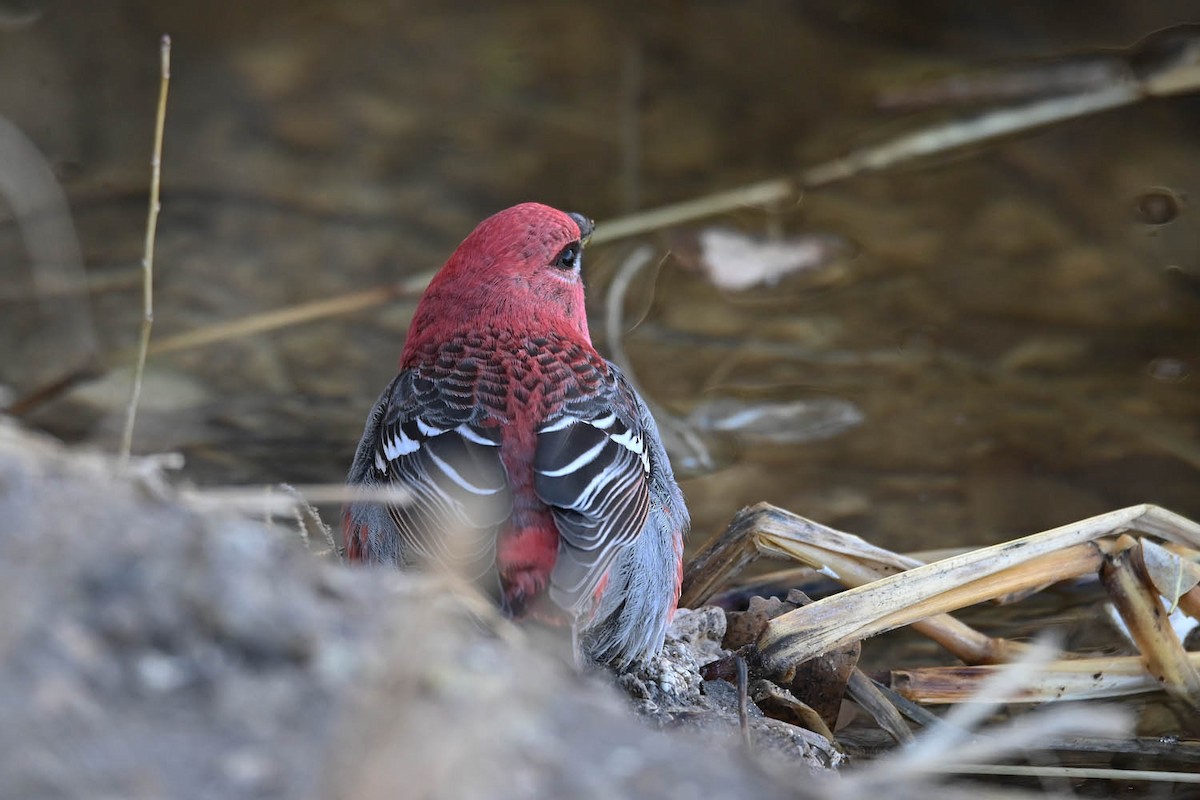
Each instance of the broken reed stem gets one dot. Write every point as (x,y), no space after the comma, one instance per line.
(764,193)
(1071,679)
(139,368)
(958,134)
(1139,604)
(888,603)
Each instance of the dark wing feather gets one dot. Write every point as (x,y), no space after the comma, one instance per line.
(424,437)
(592,468)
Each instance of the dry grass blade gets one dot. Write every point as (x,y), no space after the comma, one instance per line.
(310,524)
(139,368)
(871,609)
(873,700)
(782,704)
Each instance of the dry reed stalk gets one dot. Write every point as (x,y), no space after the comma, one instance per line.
(139,368)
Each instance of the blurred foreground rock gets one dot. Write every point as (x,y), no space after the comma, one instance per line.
(147,650)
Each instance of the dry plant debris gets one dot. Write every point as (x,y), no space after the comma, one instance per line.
(734,261)
(1146,557)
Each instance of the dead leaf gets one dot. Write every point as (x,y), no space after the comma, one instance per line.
(1171,574)
(735,261)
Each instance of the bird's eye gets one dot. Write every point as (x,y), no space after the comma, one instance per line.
(568,257)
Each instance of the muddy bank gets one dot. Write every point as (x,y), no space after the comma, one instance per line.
(148,650)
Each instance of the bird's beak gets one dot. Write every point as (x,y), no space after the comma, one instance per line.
(586,227)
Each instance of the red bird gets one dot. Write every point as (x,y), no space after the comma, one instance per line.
(531,461)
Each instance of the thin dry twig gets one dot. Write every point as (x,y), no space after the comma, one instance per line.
(292,315)
(139,368)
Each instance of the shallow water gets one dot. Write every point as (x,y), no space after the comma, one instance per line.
(1006,322)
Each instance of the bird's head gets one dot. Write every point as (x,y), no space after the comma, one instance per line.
(519,267)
